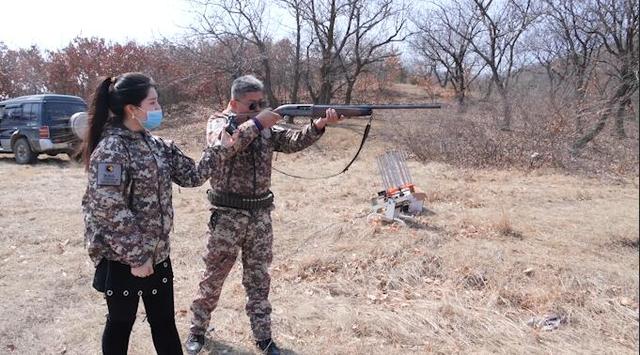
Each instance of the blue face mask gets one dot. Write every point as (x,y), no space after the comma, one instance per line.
(154,119)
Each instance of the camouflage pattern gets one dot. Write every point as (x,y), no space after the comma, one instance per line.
(243,167)
(235,171)
(127,204)
(232,230)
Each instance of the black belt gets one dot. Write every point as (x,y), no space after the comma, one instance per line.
(243,202)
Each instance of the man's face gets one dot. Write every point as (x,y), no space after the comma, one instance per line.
(249,102)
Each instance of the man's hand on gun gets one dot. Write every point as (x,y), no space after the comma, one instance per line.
(330,117)
(268,118)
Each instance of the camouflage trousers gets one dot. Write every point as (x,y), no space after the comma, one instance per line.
(229,232)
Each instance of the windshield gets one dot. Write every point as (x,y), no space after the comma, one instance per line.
(55,111)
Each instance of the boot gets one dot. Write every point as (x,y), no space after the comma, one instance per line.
(268,347)
(194,343)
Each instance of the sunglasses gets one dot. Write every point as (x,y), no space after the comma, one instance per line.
(254,105)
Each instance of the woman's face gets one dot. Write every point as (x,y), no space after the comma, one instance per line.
(150,103)
(138,114)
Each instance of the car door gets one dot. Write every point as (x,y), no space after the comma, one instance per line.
(56,115)
(1,128)
(9,123)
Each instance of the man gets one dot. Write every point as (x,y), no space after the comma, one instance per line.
(242,204)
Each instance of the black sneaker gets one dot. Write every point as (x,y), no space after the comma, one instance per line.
(194,343)
(268,347)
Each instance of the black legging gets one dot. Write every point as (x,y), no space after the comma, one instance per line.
(122,302)
(122,314)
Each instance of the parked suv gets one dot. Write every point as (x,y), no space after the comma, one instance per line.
(35,124)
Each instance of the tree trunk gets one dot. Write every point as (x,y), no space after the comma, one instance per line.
(324,94)
(487,95)
(580,114)
(461,103)
(505,125)
(622,104)
(349,92)
(616,99)
(296,67)
(271,97)
(580,143)
(580,98)
(629,81)
(460,94)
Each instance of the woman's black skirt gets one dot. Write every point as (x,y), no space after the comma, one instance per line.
(114,278)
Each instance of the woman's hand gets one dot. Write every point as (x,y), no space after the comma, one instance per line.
(143,270)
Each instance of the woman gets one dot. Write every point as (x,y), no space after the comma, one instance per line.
(127,208)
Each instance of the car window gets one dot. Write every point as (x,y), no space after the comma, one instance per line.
(60,110)
(1,112)
(14,113)
(36,110)
(28,113)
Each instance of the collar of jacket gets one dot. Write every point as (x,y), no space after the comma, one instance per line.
(122,131)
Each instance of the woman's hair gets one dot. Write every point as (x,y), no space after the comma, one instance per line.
(108,102)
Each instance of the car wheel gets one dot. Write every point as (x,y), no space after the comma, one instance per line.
(23,152)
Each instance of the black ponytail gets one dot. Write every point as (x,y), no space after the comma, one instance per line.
(108,102)
(98,116)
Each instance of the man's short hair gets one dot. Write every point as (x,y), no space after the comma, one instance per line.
(245,84)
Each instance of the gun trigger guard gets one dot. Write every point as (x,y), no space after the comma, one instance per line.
(232,125)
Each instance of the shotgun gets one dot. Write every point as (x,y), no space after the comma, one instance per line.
(289,111)
(306,110)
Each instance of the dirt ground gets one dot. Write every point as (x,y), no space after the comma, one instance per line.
(494,254)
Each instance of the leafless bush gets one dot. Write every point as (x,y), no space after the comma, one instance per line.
(540,138)
(471,143)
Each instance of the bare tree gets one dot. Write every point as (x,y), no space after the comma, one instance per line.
(615,22)
(346,37)
(497,40)
(332,24)
(548,50)
(376,26)
(234,22)
(448,53)
(295,6)
(567,50)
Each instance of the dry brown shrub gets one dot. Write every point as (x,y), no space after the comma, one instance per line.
(504,227)
(625,242)
(539,138)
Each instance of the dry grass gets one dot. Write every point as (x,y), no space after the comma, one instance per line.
(495,249)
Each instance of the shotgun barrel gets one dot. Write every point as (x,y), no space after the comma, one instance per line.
(307,110)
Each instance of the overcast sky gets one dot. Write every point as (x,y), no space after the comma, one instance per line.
(53,24)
